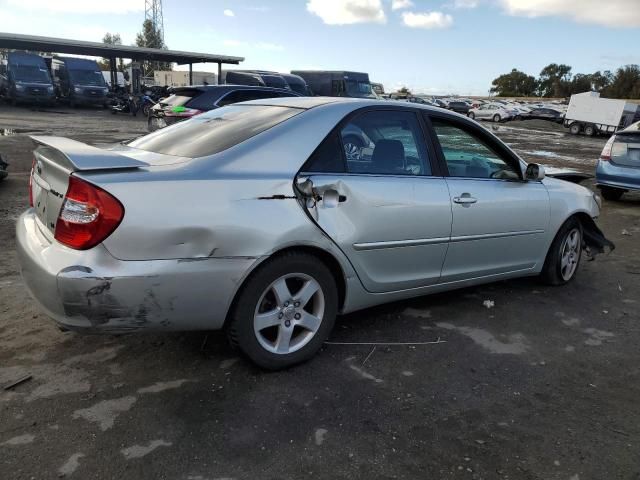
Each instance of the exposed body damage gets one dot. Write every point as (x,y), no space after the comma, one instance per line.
(195,230)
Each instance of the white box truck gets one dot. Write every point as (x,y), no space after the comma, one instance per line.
(180,78)
(589,114)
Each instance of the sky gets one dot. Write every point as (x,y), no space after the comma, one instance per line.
(429,46)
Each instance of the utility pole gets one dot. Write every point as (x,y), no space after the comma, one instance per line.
(153,12)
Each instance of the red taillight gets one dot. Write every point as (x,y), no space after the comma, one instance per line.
(88,215)
(606,151)
(33,166)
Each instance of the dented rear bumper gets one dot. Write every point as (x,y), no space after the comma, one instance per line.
(95,292)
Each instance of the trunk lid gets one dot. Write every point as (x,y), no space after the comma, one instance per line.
(55,159)
(626,149)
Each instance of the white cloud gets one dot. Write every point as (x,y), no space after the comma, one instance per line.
(611,13)
(345,12)
(401,4)
(465,3)
(427,20)
(80,6)
(229,13)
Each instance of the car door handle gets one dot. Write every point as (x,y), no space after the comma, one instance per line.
(465,199)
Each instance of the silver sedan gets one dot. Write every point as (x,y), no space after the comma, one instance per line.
(253,218)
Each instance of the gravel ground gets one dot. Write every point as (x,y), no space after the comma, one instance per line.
(544,385)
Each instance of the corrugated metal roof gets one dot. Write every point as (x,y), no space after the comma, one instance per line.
(96,49)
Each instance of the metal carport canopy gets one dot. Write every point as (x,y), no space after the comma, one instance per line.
(96,49)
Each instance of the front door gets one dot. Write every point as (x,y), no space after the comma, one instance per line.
(382,206)
(499,220)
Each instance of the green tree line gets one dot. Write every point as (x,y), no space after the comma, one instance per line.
(557,80)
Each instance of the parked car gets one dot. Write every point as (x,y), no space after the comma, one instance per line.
(459,107)
(24,77)
(187,102)
(249,218)
(618,169)
(337,83)
(3,169)
(491,111)
(544,114)
(79,81)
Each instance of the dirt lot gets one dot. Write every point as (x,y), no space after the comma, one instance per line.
(545,385)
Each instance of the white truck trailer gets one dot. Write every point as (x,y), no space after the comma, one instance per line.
(589,114)
(180,78)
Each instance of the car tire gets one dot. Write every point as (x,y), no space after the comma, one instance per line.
(563,257)
(575,128)
(291,332)
(589,130)
(471,115)
(497,118)
(611,194)
(518,117)
(352,147)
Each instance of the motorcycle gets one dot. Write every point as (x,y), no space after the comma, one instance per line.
(125,104)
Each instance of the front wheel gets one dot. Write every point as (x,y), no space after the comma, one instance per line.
(563,258)
(471,115)
(285,311)
(589,130)
(496,118)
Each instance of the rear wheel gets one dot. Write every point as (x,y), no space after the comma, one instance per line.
(563,258)
(575,128)
(497,118)
(589,130)
(471,115)
(611,194)
(285,311)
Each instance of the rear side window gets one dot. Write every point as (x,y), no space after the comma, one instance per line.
(327,158)
(214,131)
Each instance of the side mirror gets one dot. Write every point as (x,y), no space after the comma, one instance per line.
(534,172)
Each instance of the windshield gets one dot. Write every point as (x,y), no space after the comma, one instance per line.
(87,77)
(359,89)
(30,73)
(214,131)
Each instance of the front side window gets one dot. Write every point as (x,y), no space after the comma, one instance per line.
(385,142)
(467,155)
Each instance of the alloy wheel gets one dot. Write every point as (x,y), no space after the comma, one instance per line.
(570,254)
(289,313)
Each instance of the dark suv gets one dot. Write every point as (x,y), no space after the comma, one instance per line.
(186,102)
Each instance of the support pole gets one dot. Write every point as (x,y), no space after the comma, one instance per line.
(219,73)
(114,74)
(191,74)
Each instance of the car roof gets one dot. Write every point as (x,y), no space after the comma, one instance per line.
(306,103)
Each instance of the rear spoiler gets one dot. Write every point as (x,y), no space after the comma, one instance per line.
(78,156)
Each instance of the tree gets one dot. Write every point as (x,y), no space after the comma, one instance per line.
(111,39)
(150,37)
(554,80)
(404,91)
(514,84)
(625,83)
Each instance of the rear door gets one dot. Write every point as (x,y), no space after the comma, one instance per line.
(386,207)
(499,221)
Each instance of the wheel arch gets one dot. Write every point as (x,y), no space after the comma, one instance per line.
(592,236)
(327,258)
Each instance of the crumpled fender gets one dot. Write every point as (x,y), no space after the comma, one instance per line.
(594,240)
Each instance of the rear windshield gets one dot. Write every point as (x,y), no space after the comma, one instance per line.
(178,100)
(214,131)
